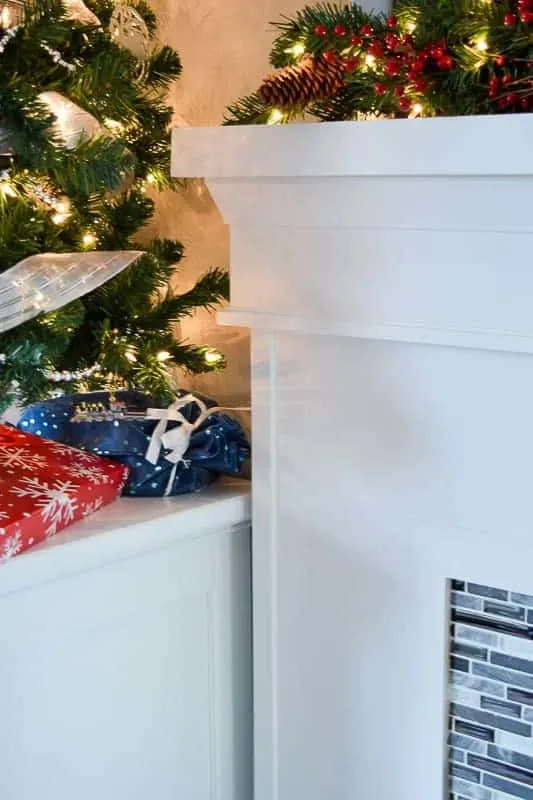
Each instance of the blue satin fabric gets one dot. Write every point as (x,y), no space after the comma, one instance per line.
(217,447)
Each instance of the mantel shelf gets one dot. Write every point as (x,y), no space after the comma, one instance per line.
(441,146)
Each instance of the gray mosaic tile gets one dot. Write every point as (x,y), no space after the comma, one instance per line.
(528,714)
(504,675)
(501,707)
(469,650)
(511,662)
(478,684)
(487,591)
(456,755)
(490,720)
(461,600)
(473,634)
(511,756)
(512,788)
(458,771)
(519,696)
(458,740)
(522,599)
(503,769)
(470,790)
(504,610)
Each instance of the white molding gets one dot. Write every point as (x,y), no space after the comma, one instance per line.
(441,146)
(504,341)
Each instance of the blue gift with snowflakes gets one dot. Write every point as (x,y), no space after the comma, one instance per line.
(169,450)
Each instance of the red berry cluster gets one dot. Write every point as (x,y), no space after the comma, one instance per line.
(406,70)
(522,10)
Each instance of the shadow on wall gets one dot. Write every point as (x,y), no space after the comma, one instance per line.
(224,49)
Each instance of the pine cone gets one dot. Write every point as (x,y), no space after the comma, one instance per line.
(298,85)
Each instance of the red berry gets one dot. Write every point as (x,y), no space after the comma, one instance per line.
(356,40)
(507,79)
(509,20)
(392,41)
(392,68)
(420,85)
(524,103)
(445,62)
(500,60)
(376,49)
(494,84)
(404,104)
(408,39)
(366,30)
(399,91)
(526,17)
(380,88)
(351,64)
(417,64)
(339,30)
(512,99)
(320,30)
(330,57)
(392,21)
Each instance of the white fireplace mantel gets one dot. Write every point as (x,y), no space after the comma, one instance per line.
(384,268)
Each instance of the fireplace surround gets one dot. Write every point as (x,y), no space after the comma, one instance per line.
(384,270)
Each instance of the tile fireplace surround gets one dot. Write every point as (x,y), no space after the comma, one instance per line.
(385,271)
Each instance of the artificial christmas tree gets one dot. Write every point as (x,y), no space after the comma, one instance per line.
(450,57)
(83,140)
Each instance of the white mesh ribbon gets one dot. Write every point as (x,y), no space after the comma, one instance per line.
(48,281)
(76,9)
(72,122)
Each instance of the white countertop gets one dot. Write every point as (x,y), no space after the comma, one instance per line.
(128,527)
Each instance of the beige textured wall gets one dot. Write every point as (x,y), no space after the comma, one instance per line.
(224,47)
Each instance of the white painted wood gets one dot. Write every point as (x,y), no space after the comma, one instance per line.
(384,269)
(126,655)
(442,146)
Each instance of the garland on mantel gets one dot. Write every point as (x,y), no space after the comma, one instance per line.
(450,57)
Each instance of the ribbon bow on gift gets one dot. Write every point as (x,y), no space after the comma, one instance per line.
(178,439)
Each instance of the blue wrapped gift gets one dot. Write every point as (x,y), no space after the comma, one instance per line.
(169,451)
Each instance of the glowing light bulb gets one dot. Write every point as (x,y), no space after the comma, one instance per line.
(212,357)
(417,109)
(130,355)
(5,17)
(410,27)
(370,60)
(59,219)
(113,125)
(150,178)
(163,355)
(89,239)
(62,206)
(298,49)
(7,190)
(276,117)
(481,44)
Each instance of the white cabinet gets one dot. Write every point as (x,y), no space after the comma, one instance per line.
(385,270)
(125,668)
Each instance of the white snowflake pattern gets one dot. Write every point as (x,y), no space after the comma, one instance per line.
(4,515)
(21,457)
(12,546)
(94,474)
(55,502)
(92,506)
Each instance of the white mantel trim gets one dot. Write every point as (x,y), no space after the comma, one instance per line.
(503,341)
(449,146)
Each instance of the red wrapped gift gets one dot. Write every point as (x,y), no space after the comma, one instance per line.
(45,486)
